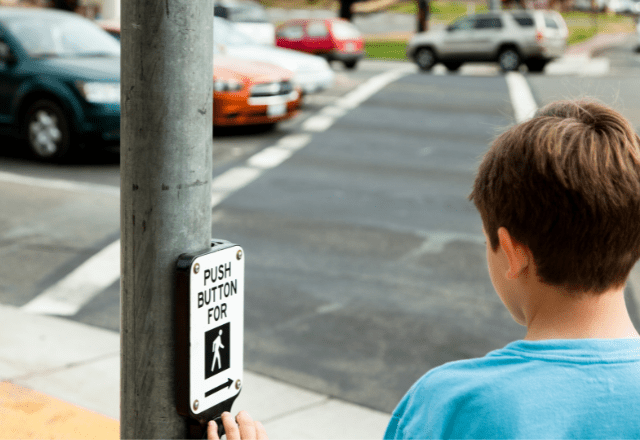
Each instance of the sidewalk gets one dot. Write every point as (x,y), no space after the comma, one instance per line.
(60,379)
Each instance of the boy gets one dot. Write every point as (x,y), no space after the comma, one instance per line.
(559,198)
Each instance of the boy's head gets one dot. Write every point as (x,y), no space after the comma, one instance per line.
(566,184)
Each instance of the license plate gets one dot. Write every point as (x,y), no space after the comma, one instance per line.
(350,47)
(275,110)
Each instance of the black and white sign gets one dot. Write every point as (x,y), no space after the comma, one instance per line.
(216,317)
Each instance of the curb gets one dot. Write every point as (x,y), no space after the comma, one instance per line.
(61,379)
(597,43)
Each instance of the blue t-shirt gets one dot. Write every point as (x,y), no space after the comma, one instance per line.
(562,388)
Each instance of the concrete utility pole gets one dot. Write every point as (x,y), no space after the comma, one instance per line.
(166,163)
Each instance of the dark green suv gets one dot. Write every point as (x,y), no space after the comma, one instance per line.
(59,81)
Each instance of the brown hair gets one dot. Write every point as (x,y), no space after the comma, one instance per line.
(567,185)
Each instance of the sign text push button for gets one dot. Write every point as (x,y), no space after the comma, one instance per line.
(209,330)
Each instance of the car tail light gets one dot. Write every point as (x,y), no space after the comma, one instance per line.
(539,36)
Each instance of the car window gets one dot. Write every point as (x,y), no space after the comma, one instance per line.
(317,29)
(343,30)
(488,23)
(62,36)
(550,23)
(225,32)
(294,32)
(463,24)
(248,13)
(524,20)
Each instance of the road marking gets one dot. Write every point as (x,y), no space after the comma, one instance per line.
(68,295)
(524,106)
(59,184)
(356,97)
(294,141)
(435,242)
(318,123)
(235,178)
(270,157)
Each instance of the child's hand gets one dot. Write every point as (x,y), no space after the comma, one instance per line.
(241,428)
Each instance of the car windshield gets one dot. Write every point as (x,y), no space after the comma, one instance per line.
(62,36)
(226,33)
(248,14)
(345,31)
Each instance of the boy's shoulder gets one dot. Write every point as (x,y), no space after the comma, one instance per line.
(497,394)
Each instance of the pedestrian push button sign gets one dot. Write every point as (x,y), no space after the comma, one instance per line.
(216,327)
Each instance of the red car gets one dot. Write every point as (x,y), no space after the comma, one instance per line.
(333,38)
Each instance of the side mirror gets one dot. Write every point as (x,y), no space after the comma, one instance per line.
(450,28)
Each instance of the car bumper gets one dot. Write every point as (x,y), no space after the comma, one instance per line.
(102,121)
(314,81)
(548,50)
(258,110)
(344,56)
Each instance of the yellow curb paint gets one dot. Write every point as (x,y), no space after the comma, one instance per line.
(27,414)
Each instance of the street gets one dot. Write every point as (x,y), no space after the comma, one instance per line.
(365,262)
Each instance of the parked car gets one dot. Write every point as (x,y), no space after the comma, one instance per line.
(311,73)
(111,26)
(245,92)
(251,93)
(250,17)
(509,38)
(335,39)
(59,80)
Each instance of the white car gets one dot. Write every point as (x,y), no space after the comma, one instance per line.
(311,73)
(250,17)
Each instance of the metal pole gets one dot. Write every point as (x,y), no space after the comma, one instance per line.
(166,163)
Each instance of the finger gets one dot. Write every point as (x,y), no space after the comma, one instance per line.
(261,433)
(230,427)
(246,425)
(212,431)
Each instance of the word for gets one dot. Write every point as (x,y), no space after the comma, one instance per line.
(224,290)
(217,312)
(217,273)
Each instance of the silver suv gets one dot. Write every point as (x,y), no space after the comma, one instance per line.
(510,38)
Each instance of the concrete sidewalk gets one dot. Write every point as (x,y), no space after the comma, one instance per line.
(60,379)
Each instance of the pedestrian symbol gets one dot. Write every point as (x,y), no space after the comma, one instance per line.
(217,350)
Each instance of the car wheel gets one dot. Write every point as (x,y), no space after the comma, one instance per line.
(425,58)
(452,66)
(509,59)
(536,65)
(351,64)
(47,130)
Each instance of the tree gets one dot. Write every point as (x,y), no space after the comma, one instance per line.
(423,15)
(345,9)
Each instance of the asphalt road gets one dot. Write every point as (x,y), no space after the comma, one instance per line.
(365,260)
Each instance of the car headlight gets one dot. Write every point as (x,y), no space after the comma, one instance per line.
(100,92)
(227,85)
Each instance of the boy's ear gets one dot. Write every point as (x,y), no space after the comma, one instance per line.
(518,255)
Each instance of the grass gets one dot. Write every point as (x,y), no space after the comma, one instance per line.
(385,49)
(445,11)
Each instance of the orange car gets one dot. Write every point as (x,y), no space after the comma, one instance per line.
(246,92)
(251,92)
